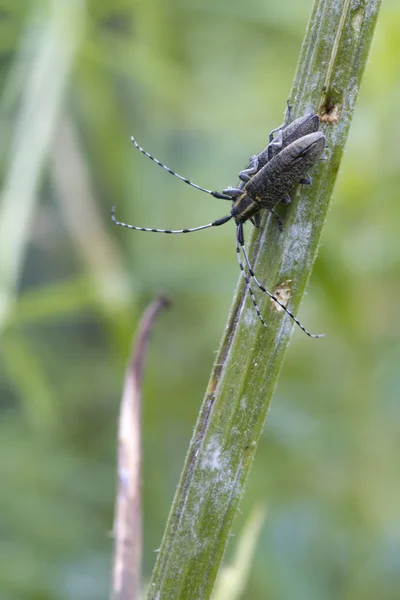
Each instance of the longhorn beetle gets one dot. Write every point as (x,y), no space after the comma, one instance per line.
(287,133)
(268,180)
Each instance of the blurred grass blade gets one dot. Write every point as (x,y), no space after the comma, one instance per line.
(128,516)
(54,300)
(47,59)
(92,241)
(30,380)
(246,370)
(232,579)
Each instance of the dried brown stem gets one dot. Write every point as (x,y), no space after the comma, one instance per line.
(128,518)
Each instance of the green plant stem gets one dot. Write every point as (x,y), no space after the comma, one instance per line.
(245,373)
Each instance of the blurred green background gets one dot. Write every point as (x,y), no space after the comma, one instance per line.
(200,84)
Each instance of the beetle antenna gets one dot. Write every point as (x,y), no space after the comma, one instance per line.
(194,185)
(248,286)
(215,223)
(240,246)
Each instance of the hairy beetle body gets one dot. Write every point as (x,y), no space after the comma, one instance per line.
(273,182)
(299,128)
(278,177)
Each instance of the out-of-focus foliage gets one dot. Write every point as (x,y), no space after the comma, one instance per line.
(200,84)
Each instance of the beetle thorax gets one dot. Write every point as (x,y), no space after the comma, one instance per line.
(244,208)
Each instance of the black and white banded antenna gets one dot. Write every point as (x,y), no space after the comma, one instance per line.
(240,247)
(215,223)
(171,172)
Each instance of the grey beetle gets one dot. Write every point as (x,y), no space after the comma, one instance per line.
(268,180)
